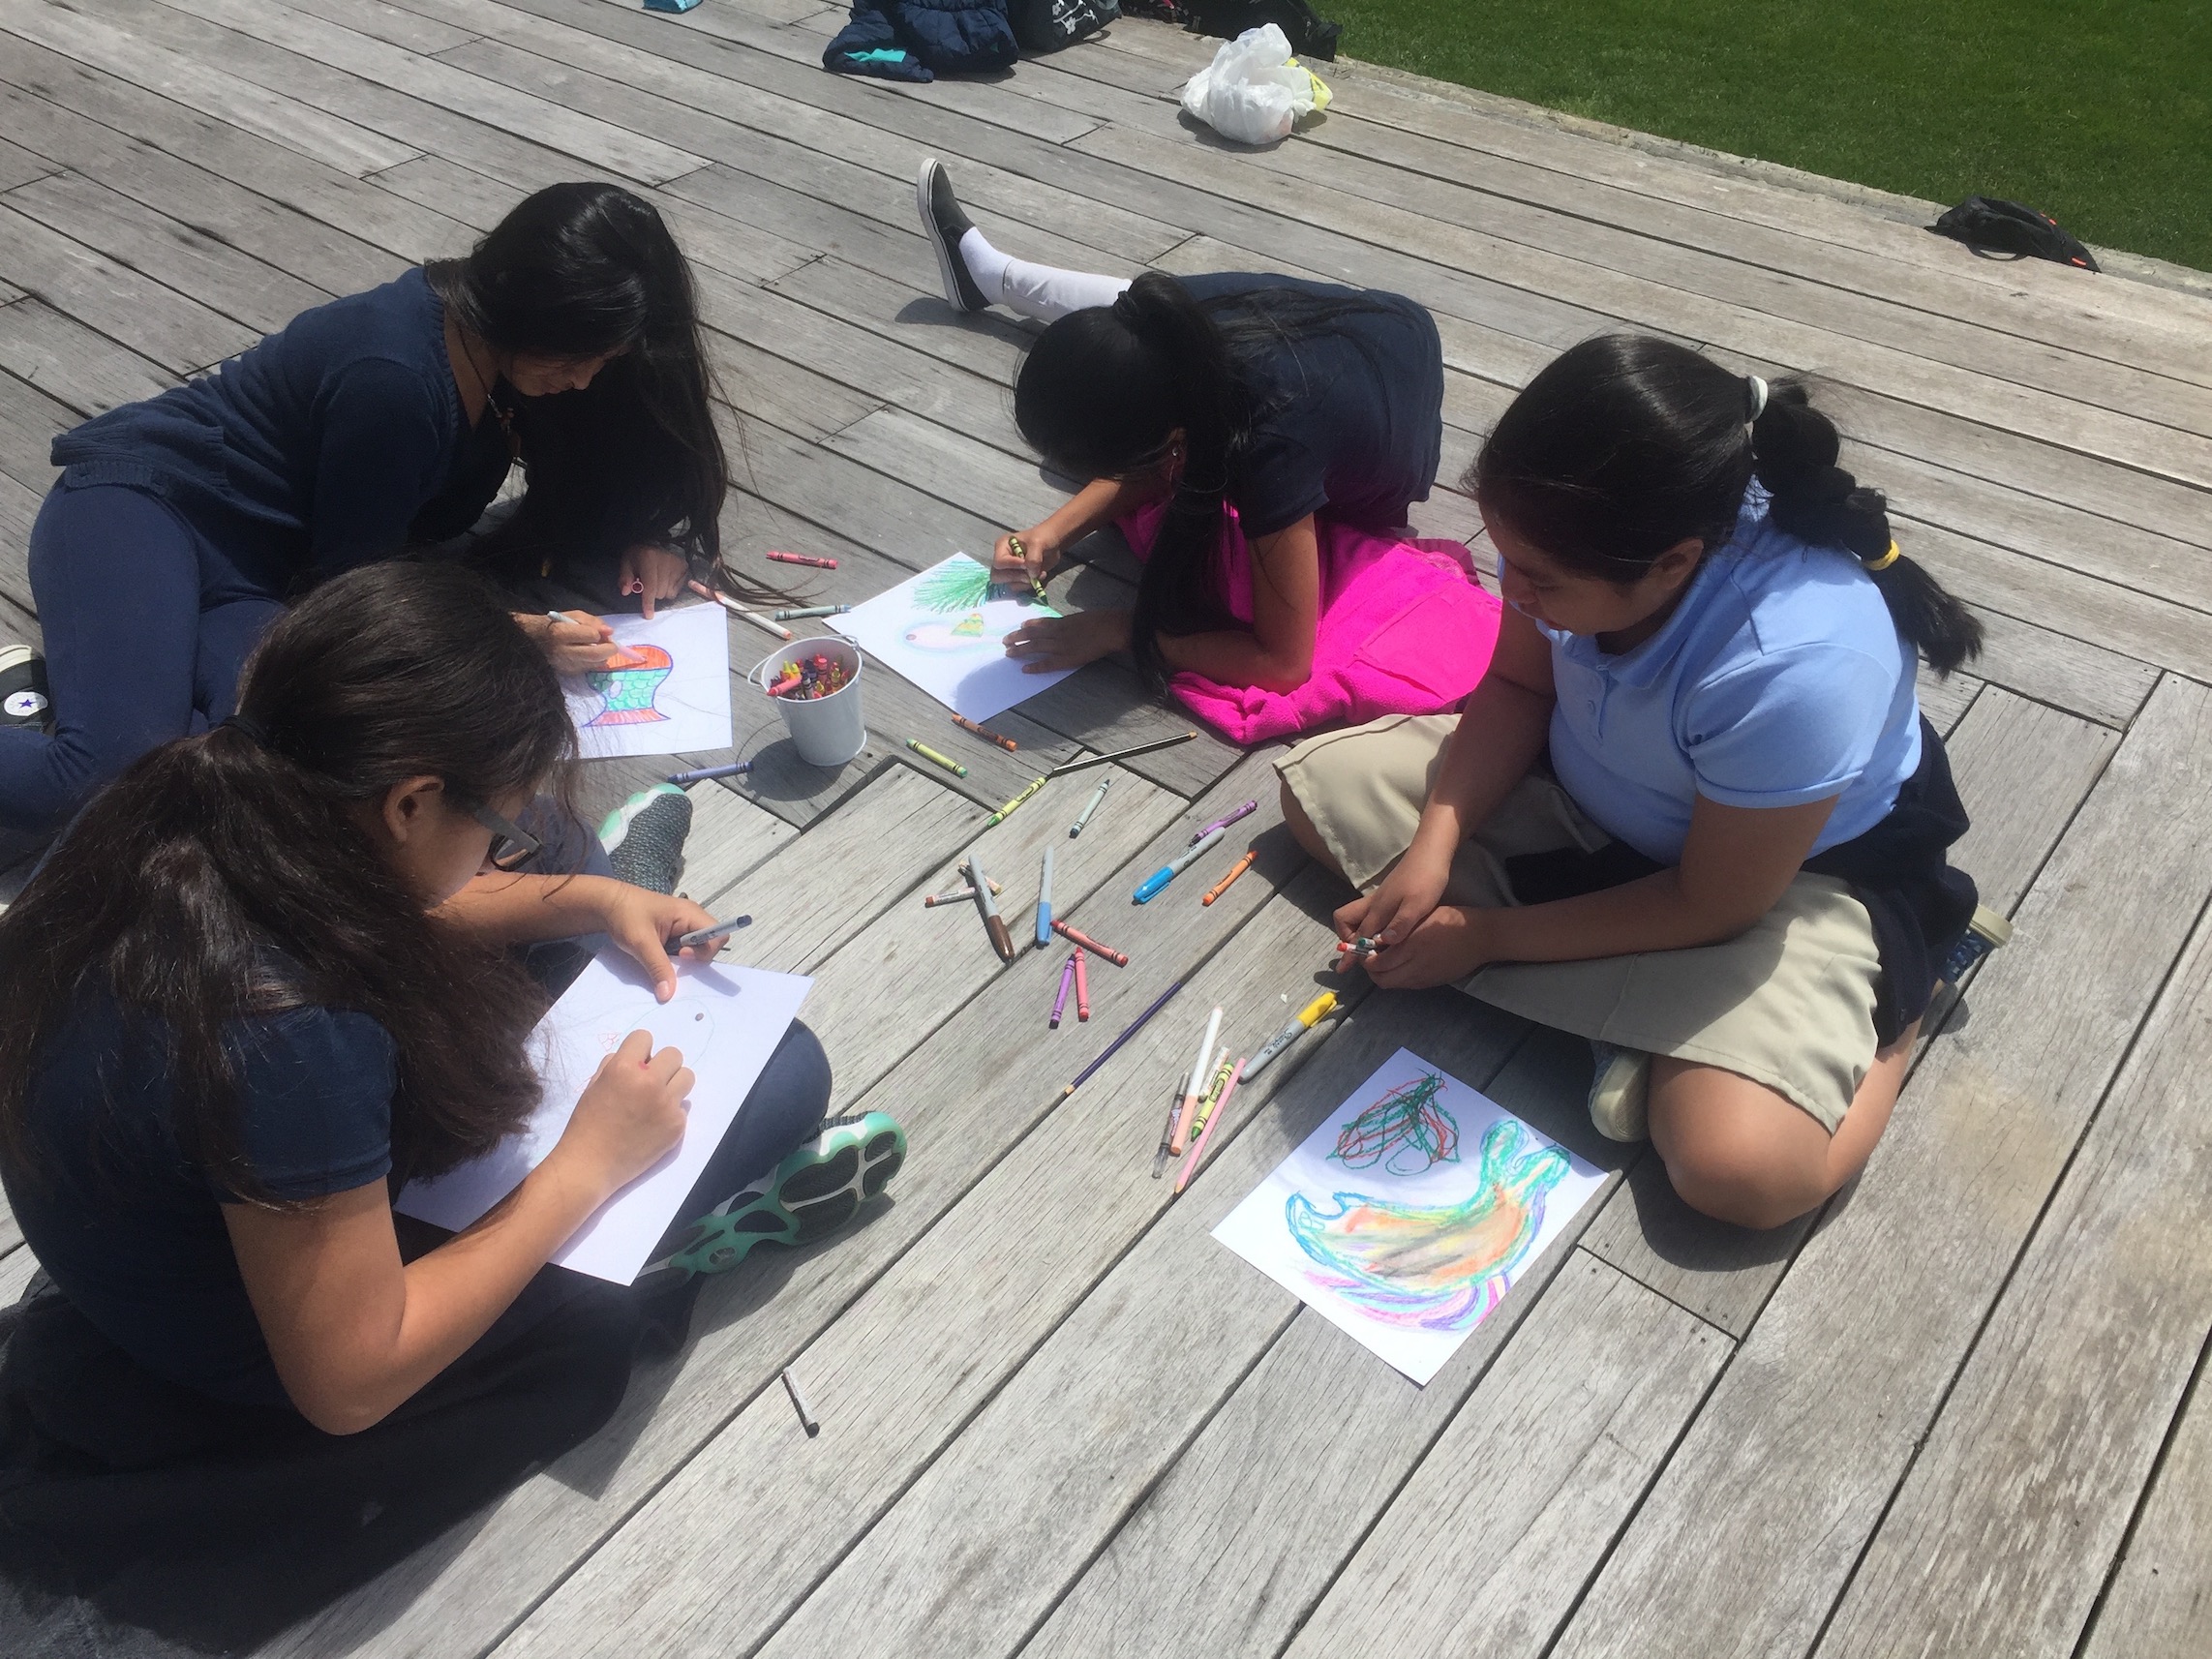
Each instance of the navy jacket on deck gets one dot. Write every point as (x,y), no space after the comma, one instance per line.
(920,40)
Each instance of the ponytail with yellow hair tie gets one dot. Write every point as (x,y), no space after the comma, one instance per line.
(1885,561)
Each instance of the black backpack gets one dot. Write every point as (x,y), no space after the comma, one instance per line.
(1048,25)
(1311,35)
(1988,226)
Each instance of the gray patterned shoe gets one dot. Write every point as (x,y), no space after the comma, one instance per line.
(645,837)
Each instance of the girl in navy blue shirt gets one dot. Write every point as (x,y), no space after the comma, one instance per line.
(567,340)
(1731,875)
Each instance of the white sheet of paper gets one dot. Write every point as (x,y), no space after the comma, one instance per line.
(676,702)
(1404,1221)
(725,1020)
(940,631)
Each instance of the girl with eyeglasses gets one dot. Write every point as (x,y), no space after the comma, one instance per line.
(267,977)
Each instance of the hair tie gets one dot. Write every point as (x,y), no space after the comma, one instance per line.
(1125,311)
(254,731)
(1756,390)
(1885,561)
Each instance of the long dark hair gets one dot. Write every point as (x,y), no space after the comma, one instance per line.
(1103,389)
(1625,445)
(585,270)
(228,874)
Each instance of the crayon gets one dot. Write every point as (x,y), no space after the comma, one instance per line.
(1015,547)
(1314,1011)
(1181,1137)
(1082,987)
(799,1404)
(930,754)
(1045,901)
(1131,1030)
(967,725)
(1089,806)
(720,929)
(1236,871)
(734,768)
(1007,811)
(1089,943)
(1152,884)
(1249,806)
(791,682)
(737,610)
(1220,1112)
(1060,1002)
(957,895)
(803,611)
(1120,754)
(806,559)
(1214,1087)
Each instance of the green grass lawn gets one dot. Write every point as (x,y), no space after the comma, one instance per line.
(2100,114)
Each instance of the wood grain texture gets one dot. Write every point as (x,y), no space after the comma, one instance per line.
(730,839)
(149,317)
(1998,1539)
(2160,1601)
(1753,1528)
(84,372)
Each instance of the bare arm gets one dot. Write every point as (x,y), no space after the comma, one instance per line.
(1277,653)
(354,1332)
(519,908)
(1094,507)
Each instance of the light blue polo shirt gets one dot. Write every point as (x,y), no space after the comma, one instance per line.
(1780,678)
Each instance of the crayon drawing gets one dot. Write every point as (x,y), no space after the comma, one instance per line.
(671,696)
(946,631)
(1378,1224)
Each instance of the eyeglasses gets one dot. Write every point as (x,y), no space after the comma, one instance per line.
(511,847)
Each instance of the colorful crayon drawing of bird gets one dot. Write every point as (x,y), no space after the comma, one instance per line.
(966,634)
(1433,1267)
(627,692)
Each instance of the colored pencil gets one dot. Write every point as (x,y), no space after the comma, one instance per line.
(737,610)
(1246,808)
(967,725)
(1121,754)
(1089,943)
(1045,901)
(1236,871)
(1060,1002)
(733,769)
(1089,806)
(805,559)
(1082,987)
(1007,811)
(1131,1030)
(930,754)
(1181,1137)
(803,613)
(1198,1151)
(1149,887)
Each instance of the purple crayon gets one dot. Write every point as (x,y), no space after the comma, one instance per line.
(1224,823)
(1060,1002)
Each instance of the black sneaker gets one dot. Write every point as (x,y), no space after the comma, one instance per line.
(23,701)
(645,837)
(944,223)
(1984,934)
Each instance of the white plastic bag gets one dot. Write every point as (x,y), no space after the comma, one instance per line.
(1255,89)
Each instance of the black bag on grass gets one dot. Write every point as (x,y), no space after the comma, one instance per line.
(1311,35)
(1048,25)
(1988,224)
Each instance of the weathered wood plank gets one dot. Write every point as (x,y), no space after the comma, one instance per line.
(28,422)
(201,85)
(178,333)
(730,839)
(1945,700)
(1754,1526)
(978,1086)
(18,507)
(2159,1600)
(1998,1540)
(2108,687)
(2023,771)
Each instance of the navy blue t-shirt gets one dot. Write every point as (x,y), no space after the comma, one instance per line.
(336,441)
(133,1234)
(1349,413)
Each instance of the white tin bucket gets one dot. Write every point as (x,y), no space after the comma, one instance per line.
(826,731)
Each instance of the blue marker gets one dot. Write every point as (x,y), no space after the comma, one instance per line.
(1182,862)
(1045,901)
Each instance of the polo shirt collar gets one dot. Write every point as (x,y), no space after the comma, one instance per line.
(1643,666)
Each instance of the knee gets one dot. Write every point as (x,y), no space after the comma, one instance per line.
(1732,1178)
(797,1079)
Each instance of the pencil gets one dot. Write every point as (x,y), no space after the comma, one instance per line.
(1089,943)
(967,725)
(737,610)
(1236,871)
(1220,1112)
(1121,754)
(930,754)
(1134,1026)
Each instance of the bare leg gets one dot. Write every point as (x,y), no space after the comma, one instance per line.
(1739,1152)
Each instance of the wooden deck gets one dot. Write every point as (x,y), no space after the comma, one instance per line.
(1960,1414)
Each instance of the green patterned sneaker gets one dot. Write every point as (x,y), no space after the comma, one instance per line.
(818,1188)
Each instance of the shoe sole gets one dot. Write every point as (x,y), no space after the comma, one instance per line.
(924,203)
(807,1206)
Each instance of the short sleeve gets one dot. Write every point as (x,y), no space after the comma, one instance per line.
(380,451)
(1790,728)
(315,1100)
(1283,481)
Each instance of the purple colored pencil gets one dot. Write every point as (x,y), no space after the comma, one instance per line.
(1060,1002)
(1134,1026)
(1249,806)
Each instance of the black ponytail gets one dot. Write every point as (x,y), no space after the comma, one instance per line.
(1625,445)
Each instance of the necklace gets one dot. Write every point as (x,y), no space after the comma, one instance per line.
(503,413)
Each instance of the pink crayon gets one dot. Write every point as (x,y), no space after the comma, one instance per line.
(1082,986)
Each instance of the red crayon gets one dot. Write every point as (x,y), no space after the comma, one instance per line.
(1089,943)
(806,559)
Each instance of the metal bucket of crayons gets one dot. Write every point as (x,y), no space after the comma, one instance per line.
(817,685)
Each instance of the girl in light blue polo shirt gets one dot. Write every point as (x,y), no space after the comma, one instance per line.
(1692,812)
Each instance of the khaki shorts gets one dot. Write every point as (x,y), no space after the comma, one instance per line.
(1789,1004)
